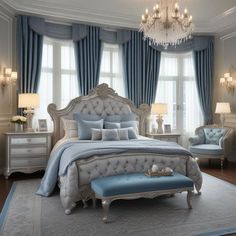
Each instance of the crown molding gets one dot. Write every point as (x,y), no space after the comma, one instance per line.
(77,13)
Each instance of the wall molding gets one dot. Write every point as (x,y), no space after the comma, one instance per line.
(79,13)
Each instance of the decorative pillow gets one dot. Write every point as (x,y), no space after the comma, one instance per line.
(70,127)
(113,118)
(128,117)
(88,117)
(110,135)
(131,132)
(84,128)
(127,124)
(213,135)
(123,134)
(96,134)
(111,125)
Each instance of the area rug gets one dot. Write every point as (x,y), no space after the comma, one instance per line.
(213,213)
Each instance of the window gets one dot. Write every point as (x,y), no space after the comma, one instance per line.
(58,81)
(177,88)
(111,71)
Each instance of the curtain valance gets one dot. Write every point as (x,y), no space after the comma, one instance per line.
(75,32)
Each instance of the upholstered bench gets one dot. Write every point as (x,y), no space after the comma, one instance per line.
(138,185)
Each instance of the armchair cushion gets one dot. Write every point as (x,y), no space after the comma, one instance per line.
(213,135)
(207,149)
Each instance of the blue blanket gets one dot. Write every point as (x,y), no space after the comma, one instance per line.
(62,156)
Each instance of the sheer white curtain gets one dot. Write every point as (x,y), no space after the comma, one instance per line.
(58,82)
(111,71)
(177,88)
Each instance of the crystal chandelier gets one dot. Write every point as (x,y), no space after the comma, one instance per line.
(166,25)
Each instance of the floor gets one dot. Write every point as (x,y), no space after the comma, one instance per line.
(228,174)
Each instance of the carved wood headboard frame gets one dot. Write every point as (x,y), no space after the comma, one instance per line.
(102,92)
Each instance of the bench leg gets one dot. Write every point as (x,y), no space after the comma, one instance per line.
(94,202)
(189,195)
(105,204)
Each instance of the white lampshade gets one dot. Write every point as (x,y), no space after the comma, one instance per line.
(14,75)
(222,108)
(8,71)
(159,109)
(28,100)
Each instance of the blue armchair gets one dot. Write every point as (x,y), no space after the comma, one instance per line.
(211,142)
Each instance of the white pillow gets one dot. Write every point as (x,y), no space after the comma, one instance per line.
(70,127)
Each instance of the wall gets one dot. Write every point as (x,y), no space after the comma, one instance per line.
(7,94)
(225,61)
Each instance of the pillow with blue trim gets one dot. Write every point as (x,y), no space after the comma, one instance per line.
(110,135)
(85,128)
(131,132)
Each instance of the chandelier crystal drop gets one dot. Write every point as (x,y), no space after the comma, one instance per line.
(166,25)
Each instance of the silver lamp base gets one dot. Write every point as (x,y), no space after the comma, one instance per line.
(159,123)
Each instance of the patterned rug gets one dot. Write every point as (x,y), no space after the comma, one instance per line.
(213,213)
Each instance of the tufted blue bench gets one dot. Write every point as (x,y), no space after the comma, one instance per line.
(137,185)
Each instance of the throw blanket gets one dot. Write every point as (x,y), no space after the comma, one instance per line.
(63,155)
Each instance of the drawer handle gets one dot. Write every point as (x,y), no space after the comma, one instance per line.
(29,140)
(29,150)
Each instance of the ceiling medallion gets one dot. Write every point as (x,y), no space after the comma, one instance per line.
(166,25)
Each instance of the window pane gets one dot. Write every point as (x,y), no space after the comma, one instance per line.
(169,66)
(68,57)
(111,68)
(192,114)
(69,88)
(115,62)
(106,61)
(188,67)
(47,58)
(166,93)
(45,95)
(106,80)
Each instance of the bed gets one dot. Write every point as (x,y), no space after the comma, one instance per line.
(74,163)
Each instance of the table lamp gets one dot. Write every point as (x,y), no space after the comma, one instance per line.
(30,101)
(222,108)
(159,109)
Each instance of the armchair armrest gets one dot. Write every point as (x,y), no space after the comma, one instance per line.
(195,140)
(225,143)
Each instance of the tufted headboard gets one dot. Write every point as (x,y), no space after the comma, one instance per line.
(101,101)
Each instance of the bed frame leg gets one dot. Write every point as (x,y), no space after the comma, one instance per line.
(105,205)
(189,195)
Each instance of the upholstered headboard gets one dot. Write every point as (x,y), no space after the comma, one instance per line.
(101,101)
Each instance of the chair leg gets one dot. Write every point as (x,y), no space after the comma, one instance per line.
(222,163)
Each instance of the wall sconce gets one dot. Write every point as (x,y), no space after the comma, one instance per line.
(228,82)
(8,77)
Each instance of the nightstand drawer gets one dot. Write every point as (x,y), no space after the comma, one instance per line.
(169,139)
(30,140)
(27,162)
(28,151)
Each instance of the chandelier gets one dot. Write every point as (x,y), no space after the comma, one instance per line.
(166,25)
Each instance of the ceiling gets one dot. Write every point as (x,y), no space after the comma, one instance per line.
(210,16)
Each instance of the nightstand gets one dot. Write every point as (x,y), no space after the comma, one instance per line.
(171,137)
(26,152)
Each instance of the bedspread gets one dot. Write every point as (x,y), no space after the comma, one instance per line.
(65,154)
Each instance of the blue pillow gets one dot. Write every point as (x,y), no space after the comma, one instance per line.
(128,117)
(127,124)
(131,132)
(113,118)
(110,135)
(88,117)
(111,125)
(85,128)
